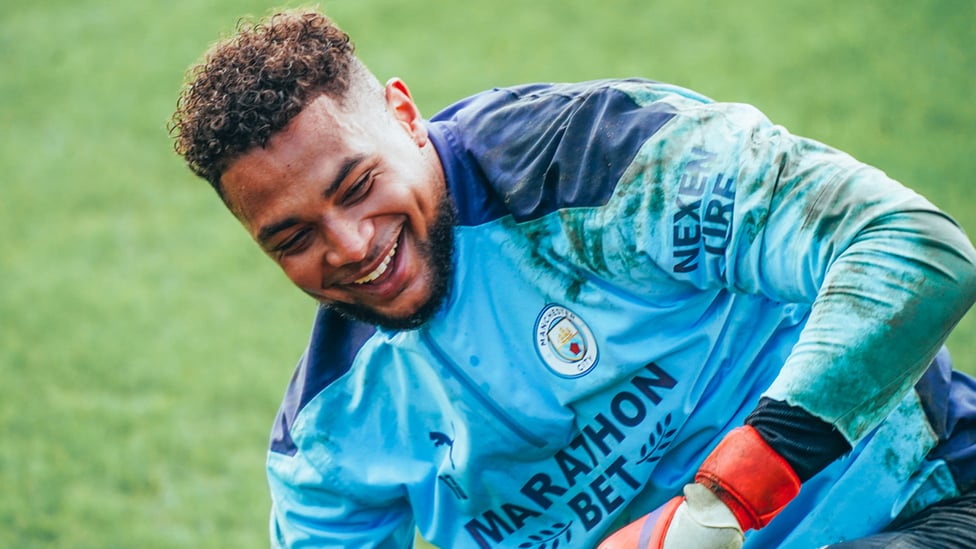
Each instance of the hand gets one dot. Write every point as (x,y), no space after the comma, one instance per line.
(697,520)
(741,485)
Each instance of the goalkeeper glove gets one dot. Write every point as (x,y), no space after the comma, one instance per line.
(741,485)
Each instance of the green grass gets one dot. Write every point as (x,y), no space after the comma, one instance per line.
(144,340)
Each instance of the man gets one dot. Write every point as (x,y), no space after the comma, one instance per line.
(552,309)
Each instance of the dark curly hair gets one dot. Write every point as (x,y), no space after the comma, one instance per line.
(251,85)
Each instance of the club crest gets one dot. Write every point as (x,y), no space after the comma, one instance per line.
(565,342)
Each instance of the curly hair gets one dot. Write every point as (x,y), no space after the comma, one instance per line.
(251,85)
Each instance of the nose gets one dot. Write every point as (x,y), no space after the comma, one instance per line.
(347,241)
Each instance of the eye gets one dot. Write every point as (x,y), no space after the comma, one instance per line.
(295,243)
(358,190)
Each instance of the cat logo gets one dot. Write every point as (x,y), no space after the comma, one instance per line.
(565,342)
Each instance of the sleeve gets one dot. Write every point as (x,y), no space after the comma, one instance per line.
(305,514)
(889,276)
(719,197)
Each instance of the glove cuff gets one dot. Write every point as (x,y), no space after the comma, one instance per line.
(749,477)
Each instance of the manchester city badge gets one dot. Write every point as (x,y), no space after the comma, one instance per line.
(565,342)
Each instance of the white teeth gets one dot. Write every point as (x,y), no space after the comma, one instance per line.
(378,272)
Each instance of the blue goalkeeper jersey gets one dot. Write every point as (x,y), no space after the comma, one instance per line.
(635,266)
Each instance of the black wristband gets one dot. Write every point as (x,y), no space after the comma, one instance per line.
(806,442)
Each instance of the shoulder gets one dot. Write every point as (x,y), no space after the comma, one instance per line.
(543,147)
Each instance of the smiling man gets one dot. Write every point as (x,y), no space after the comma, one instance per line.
(606,312)
(351,203)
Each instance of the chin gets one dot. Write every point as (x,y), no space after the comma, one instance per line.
(419,316)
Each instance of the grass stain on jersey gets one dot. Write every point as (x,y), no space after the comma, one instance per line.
(585,235)
(537,255)
(754,223)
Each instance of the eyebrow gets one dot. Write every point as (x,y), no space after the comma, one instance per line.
(347,166)
(268,231)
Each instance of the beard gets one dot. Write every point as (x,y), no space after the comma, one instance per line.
(437,251)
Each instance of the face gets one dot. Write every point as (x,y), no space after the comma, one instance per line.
(349,199)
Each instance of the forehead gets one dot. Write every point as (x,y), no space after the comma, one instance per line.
(322,128)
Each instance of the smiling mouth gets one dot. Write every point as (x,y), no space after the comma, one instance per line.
(380,269)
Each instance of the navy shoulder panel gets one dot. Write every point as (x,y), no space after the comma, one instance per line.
(531,150)
(334,344)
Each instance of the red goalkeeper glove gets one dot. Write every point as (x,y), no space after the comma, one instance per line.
(741,485)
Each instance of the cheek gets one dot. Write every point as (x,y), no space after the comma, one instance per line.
(423,200)
(419,187)
(303,271)
(406,199)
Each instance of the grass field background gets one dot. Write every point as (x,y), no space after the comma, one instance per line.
(144,340)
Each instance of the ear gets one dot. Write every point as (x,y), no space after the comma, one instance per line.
(401,104)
